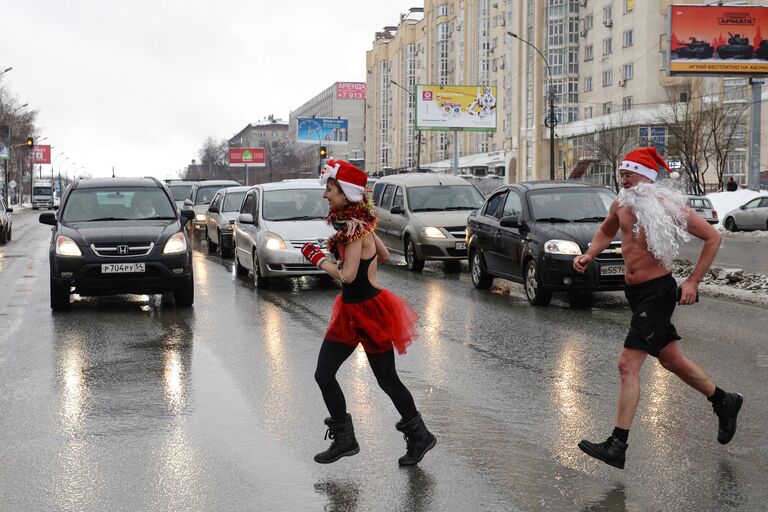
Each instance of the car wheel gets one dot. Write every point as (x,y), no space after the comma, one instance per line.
(534,288)
(415,264)
(59,296)
(8,235)
(480,278)
(184,297)
(259,281)
(211,245)
(730,225)
(226,252)
(3,236)
(239,269)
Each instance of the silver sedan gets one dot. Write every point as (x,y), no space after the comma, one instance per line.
(751,215)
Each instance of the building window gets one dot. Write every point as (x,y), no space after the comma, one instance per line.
(587,83)
(628,71)
(655,136)
(626,103)
(607,78)
(442,10)
(629,6)
(607,108)
(589,22)
(607,46)
(608,15)
(587,112)
(628,40)
(734,89)
(588,52)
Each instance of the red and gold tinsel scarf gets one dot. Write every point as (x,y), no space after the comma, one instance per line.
(352,221)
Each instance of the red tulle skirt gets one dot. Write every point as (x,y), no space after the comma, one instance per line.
(380,324)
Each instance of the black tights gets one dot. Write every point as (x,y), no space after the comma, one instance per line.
(332,355)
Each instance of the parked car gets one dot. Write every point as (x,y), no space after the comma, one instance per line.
(751,215)
(703,207)
(6,222)
(424,215)
(200,197)
(530,232)
(275,220)
(220,219)
(116,236)
(180,190)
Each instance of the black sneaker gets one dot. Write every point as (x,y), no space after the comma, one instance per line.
(727,410)
(611,451)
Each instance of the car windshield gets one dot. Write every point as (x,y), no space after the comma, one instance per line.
(444,197)
(232,202)
(570,204)
(118,203)
(294,204)
(42,191)
(180,192)
(699,202)
(205,194)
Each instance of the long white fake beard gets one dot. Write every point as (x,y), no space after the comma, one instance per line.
(661,212)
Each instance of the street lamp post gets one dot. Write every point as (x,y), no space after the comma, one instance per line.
(418,142)
(551,120)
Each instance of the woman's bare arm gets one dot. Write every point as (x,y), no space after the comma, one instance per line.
(348,272)
(381,251)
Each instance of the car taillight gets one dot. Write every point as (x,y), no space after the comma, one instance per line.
(714,214)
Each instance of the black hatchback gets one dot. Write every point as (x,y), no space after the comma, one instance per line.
(119,236)
(530,233)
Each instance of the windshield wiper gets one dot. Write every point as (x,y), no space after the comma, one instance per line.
(156,218)
(552,219)
(430,209)
(103,218)
(467,207)
(596,218)
(302,217)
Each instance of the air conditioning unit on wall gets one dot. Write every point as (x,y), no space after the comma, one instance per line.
(622,83)
(608,23)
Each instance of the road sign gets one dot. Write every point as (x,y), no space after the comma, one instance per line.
(12,184)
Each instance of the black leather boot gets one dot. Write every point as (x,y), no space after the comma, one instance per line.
(418,440)
(727,409)
(611,452)
(343,443)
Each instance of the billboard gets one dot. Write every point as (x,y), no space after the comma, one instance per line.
(322,130)
(240,157)
(456,107)
(717,40)
(350,90)
(41,154)
(5,142)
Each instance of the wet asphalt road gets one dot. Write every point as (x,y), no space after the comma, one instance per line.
(128,404)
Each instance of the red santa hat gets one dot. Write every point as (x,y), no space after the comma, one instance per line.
(351,179)
(645,161)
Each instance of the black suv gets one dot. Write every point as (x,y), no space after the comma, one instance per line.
(531,232)
(119,235)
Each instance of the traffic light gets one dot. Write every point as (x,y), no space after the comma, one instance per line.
(30,142)
(323,152)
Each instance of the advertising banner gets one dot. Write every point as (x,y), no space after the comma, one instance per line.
(350,90)
(322,130)
(253,157)
(456,107)
(41,154)
(5,142)
(717,40)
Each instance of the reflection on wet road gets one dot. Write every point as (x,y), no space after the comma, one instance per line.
(126,403)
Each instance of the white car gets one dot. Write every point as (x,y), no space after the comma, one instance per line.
(200,197)
(220,218)
(275,220)
(751,215)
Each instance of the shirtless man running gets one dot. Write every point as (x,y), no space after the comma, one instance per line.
(653,220)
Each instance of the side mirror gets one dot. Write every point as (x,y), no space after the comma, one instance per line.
(742,207)
(245,218)
(9,210)
(510,221)
(48,218)
(188,214)
(397,210)
(188,202)
(55,207)
(213,209)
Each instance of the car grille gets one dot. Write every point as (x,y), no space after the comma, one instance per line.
(457,231)
(292,267)
(456,252)
(612,252)
(123,250)
(296,244)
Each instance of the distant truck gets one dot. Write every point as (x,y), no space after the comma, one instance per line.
(42,195)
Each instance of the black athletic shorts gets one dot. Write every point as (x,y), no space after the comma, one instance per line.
(652,303)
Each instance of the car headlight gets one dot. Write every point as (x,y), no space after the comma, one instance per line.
(200,217)
(274,242)
(432,232)
(176,244)
(562,247)
(65,246)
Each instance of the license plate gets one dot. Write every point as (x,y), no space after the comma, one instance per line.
(120,268)
(612,270)
(461,246)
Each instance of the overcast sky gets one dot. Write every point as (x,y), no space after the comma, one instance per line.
(140,84)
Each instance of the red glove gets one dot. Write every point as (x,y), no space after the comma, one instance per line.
(313,254)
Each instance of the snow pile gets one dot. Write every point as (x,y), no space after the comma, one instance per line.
(724,202)
(732,283)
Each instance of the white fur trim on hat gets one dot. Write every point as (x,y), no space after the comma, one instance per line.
(629,165)
(353,192)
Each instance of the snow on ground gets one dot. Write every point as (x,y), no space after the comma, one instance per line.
(728,283)
(724,202)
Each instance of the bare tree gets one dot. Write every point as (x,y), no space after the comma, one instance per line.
(725,123)
(612,140)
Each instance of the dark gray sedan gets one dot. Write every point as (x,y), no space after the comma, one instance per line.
(6,222)
(751,215)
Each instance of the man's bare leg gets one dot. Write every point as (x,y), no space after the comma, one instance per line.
(672,358)
(630,362)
